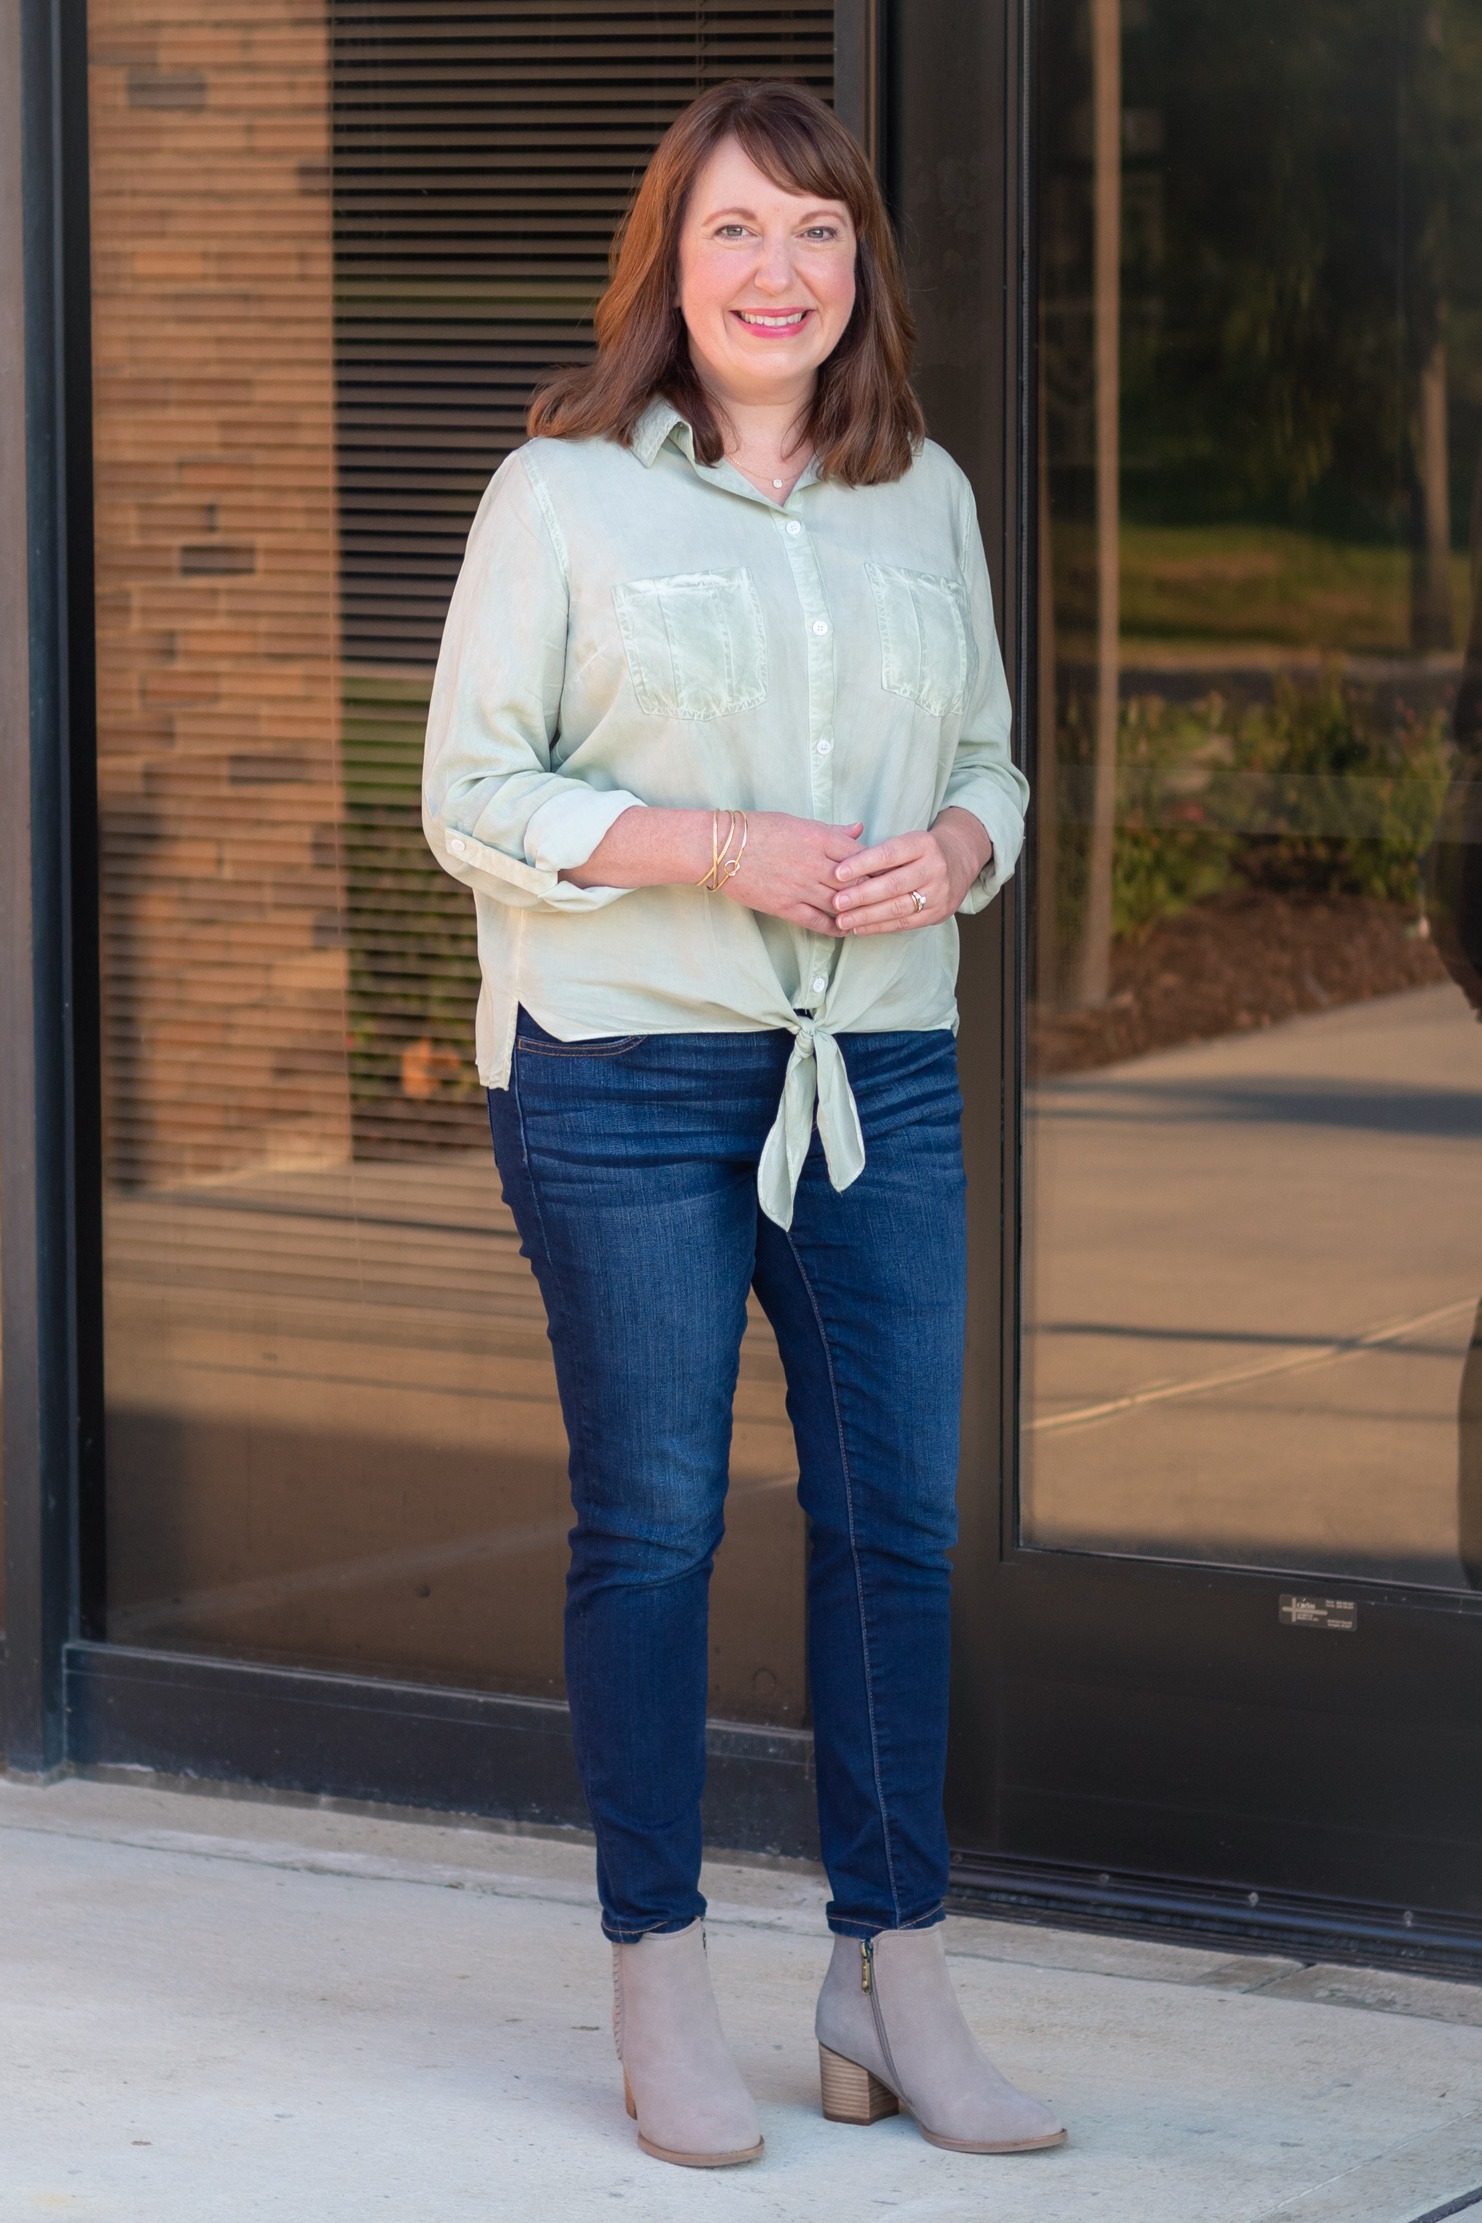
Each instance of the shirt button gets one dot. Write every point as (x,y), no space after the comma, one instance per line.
(457,846)
(824,745)
(793,526)
(820,626)
(820,982)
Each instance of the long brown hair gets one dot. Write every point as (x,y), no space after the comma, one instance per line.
(864,421)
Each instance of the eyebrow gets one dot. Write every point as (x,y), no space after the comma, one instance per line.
(825,208)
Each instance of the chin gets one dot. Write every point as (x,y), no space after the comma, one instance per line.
(780,363)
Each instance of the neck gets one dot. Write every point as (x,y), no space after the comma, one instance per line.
(771,431)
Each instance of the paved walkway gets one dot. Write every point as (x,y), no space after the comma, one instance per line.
(216,2008)
(1254,1268)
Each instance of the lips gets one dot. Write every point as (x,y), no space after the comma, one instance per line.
(780,321)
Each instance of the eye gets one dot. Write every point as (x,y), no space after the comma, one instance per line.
(730,231)
(821,231)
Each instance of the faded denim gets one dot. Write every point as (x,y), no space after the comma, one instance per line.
(630,1166)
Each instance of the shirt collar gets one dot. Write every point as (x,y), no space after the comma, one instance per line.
(661,422)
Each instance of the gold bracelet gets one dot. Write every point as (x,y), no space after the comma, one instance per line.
(730,866)
(711,880)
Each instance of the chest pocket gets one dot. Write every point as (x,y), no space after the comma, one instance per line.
(924,642)
(695,643)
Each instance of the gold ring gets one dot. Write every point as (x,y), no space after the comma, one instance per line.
(919,900)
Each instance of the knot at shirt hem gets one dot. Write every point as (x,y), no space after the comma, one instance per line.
(816,1085)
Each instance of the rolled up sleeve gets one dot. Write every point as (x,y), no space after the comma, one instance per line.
(984,778)
(499,814)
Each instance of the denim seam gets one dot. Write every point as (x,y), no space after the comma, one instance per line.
(514,1082)
(864,1626)
(629,1933)
(579,1049)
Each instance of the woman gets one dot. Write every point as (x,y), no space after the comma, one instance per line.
(719,739)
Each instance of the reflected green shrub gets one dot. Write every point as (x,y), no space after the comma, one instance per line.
(1167,854)
(409,933)
(1353,791)
(1325,789)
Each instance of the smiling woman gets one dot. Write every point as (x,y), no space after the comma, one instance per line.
(755,184)
(719,741)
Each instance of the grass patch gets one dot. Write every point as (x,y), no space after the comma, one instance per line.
(1249,585)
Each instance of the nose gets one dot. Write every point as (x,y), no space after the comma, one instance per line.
(773,273)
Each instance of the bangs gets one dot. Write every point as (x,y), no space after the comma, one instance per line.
(788,149)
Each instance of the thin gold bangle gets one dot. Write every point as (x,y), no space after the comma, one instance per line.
(732,865)
(706,876)
(719,873)
(711,880)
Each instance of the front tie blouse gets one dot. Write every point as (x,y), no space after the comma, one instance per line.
(632,626)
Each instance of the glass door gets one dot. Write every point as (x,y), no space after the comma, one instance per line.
(1251,1419)
(333,249)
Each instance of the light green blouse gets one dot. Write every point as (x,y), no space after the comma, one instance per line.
(633,626)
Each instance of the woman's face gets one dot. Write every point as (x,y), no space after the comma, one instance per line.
(766,281)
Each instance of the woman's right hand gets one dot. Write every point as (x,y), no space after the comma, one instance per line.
(788,869)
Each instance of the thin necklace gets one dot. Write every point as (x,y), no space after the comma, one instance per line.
(755,477)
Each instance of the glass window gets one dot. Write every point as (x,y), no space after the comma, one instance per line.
(333,247)
(1254,1231)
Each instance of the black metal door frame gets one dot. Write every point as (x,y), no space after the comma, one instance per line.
(49,1164)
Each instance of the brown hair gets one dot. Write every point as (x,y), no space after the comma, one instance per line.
(864,421)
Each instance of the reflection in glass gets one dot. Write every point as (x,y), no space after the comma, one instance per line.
(1254,1216)
(327,267)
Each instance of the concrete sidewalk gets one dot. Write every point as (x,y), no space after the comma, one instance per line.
(218,2008)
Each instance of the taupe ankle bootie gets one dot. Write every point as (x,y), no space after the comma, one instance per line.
(890,2030)
(681,2085)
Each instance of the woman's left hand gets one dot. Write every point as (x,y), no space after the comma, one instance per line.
(878,886)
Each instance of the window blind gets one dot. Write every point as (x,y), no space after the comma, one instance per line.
(483,155)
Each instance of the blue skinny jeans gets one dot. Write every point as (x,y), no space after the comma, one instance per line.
(630,1167)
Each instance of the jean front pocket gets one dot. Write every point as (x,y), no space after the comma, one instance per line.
(925,651)
(695,643)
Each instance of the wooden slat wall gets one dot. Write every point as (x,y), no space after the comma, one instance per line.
(482,156)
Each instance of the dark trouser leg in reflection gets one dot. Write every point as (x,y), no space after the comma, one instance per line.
(1469,1467)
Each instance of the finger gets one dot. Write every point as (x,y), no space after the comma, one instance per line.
(887,888)
(893,926)
(899,911)
(886,856)
(816,922)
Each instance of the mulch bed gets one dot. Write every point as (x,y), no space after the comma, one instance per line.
(1241,961)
